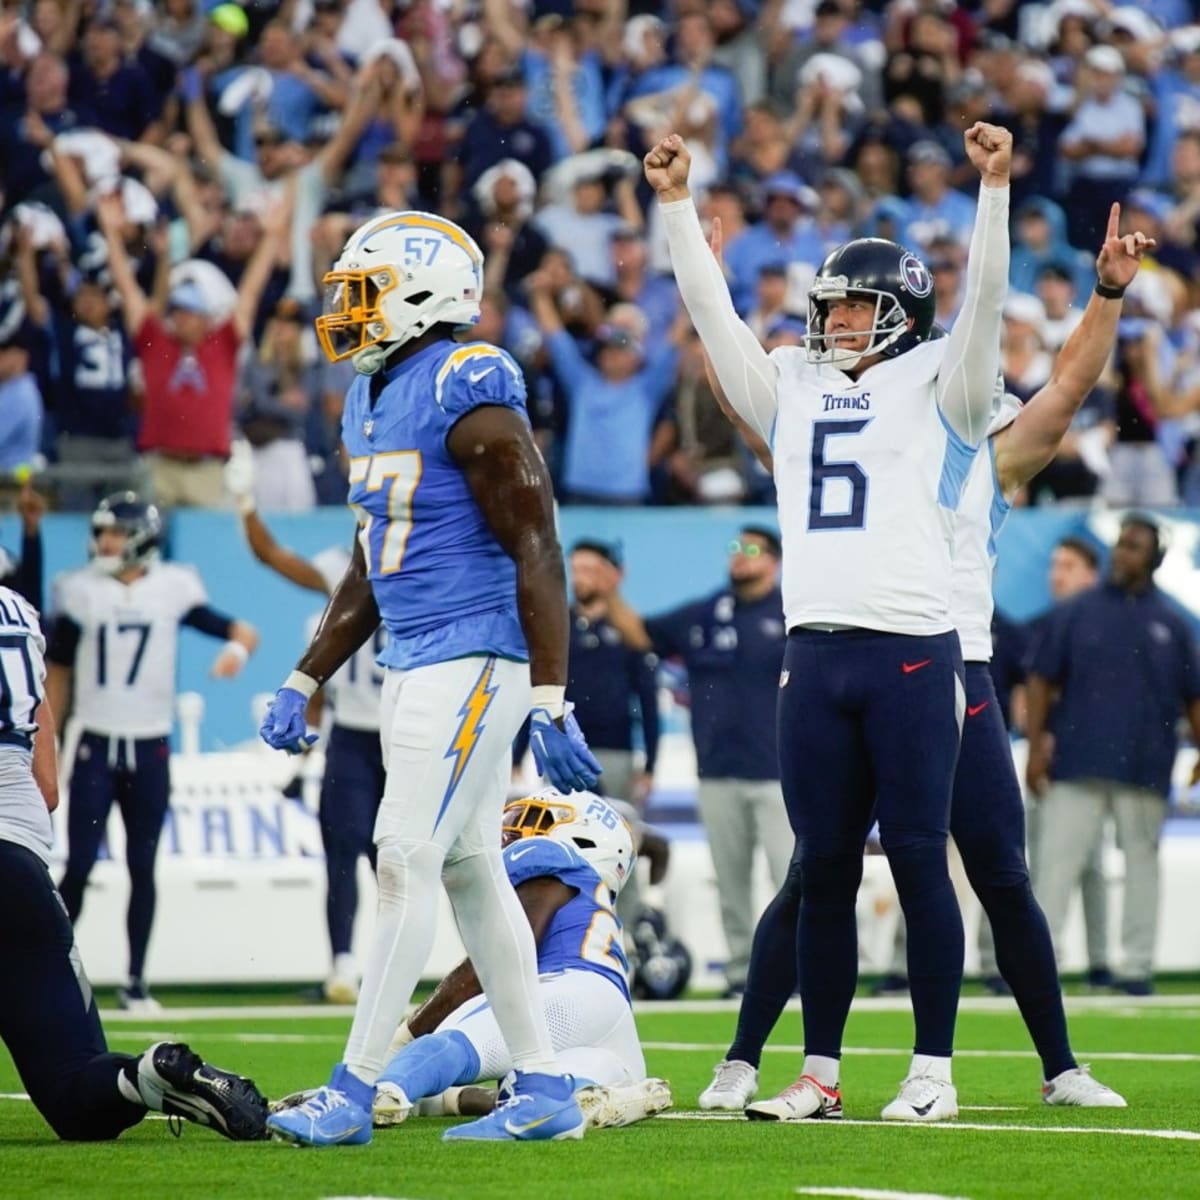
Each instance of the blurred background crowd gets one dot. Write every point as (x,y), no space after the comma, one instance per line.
(177,176)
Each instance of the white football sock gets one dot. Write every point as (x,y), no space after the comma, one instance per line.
(409,874)
(934,1067)
(496,933)
(824,1070)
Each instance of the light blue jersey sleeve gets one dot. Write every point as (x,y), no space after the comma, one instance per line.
(476,375)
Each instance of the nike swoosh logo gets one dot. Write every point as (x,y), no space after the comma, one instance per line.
(521,853)
(517,1130)
(909,668)
(476,376)
(974,712)
(923,1111)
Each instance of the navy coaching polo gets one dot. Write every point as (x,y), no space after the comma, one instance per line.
(1126,665)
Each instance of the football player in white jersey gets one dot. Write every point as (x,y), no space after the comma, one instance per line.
(987,817)
(48,1017)
(873,426)
(112,656)
(352,785)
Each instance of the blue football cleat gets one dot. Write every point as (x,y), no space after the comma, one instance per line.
(339,1114)
(531,1108)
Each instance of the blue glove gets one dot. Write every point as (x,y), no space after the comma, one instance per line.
(560,752)
(284,727)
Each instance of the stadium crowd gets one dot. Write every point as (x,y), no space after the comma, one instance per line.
(177,177)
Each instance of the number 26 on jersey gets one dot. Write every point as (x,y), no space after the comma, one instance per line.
(384,508)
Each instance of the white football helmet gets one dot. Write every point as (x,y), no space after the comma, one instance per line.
(397,276)
(582,821)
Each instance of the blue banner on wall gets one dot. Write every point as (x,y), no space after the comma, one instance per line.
(671,555)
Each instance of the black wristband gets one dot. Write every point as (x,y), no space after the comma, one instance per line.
(1109,293)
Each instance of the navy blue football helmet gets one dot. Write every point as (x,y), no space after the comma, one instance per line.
(897,280)
(138,520)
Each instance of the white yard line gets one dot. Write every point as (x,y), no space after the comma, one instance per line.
(1106,1005)
(1178,1135)
(858,1193)
(887,1052)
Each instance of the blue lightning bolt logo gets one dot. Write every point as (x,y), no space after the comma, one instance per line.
(470,728)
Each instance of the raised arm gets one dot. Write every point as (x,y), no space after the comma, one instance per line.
(111,214)
(747,375)
(757,445)
(966,382)
(280,559)
(262,263)
(31,293)
(1023,448)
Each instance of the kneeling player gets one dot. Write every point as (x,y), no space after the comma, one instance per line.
(48,1017)
(567,860)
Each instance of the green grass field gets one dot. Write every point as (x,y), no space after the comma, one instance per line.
(1005,1144)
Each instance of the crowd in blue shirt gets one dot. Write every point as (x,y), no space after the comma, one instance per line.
(808,123)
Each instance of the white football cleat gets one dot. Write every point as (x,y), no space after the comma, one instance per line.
(392,1106)
(733,1086)
(923,1098)
(623,1104)
(136,999)
(1079,1089)
(804,1100)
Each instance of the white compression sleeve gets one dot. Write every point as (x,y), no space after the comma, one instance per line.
(966,382)
(746,373)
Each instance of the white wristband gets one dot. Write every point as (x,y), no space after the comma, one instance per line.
(236,648)
(306,685)
(551,697)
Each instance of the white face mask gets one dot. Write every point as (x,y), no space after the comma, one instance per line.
(107,564)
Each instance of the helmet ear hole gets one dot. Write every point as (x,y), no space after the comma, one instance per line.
(417,298)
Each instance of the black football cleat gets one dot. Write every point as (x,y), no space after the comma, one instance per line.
(174,1080)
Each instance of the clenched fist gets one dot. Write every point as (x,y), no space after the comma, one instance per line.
(666,168)
(990,148)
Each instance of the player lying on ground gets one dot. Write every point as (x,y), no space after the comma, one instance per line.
(568,860)
(986,814)
(48,1017)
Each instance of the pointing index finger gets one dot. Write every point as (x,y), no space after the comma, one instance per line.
(1114,221)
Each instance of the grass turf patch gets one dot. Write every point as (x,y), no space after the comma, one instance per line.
(691,1157)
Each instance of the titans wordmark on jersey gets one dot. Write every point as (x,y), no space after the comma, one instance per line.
(870,475)
(444,585)
(584,935)
(128,634)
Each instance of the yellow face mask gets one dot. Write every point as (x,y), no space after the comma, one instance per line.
(531,817)
(352,320)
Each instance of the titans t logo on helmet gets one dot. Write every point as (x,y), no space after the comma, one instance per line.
(915,276)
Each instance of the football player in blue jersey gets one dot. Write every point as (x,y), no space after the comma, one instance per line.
(457,554)
(568,858)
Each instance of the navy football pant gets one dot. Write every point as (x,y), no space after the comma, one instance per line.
(988,824)
(869,723)
(350,795)
(105,771)
(987,820)
(48,1019)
